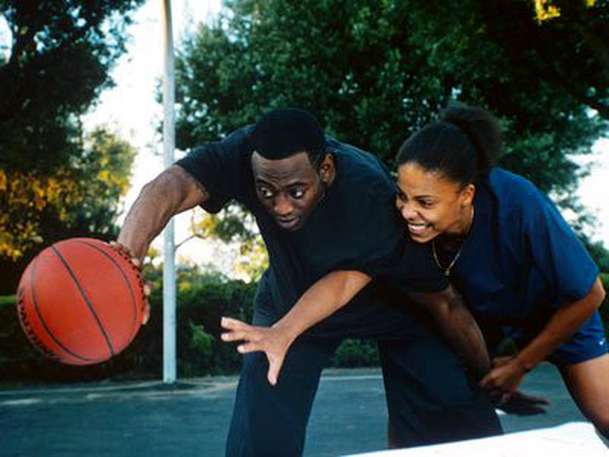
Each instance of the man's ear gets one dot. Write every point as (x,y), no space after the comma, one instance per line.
(327,169)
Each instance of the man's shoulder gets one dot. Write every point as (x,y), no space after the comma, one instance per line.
(358,166)
(234,144)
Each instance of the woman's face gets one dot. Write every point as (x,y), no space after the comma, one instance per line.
(432,204)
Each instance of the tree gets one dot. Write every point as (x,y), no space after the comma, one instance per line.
(59,60)
(376,71)
(234,225)
(584,24)
(83,200)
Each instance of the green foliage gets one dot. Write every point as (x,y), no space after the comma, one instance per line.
(55,182)
(59,61)
(7,300)
(84,202)
(356,353)
(200,350)
(375,71)
(234,224)
(201,346)
(599,253)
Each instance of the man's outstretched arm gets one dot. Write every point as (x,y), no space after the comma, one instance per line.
(170,193)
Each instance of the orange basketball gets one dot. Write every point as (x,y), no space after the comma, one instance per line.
(80,301)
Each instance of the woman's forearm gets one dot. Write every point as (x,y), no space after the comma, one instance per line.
(322,299)
(563,324)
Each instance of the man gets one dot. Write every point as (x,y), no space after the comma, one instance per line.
(326,213)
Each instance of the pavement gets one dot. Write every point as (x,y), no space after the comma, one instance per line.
(191,417)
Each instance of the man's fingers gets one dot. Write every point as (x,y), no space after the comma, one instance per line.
(146,316)
(147,288)
(505,397)
(500,361)
(530,398)
(487,382)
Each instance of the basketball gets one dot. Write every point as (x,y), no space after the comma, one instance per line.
(80,301)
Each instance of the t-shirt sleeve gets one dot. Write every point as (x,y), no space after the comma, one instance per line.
(220,167)
(555,250)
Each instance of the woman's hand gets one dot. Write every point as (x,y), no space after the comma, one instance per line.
(273,341)
(504,377)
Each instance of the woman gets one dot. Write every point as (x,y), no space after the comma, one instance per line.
(521,269)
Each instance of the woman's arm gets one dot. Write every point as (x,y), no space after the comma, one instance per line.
(322,299)
(334,291)
(508,372)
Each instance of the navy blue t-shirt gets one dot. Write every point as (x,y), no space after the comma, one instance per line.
(354,227)
(520,255)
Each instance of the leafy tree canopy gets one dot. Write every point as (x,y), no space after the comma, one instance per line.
(52,178)
(60,55)
(375,71)
(37,210)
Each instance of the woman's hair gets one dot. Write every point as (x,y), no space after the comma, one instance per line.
(463,144)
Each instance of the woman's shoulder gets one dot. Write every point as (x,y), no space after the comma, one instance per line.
(512,189)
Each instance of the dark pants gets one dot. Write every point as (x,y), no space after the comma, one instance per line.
(429,396)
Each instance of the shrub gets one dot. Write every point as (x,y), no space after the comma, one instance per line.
(356,353)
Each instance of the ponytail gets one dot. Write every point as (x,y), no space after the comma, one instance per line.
(463,145)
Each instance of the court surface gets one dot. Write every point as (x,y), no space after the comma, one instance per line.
(191,418)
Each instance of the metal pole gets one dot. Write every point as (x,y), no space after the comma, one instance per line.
(169,281)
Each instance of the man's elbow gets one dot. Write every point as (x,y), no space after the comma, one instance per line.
(173,190)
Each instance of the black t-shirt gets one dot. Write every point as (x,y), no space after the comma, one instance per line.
(354,227)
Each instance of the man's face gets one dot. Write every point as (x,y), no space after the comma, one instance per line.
(288,188)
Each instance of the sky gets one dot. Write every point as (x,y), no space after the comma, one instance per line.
(130,109)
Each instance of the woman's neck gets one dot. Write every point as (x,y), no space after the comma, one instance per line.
(461,228)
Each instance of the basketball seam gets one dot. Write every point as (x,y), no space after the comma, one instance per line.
(84,296)
(45,349)
(132,293)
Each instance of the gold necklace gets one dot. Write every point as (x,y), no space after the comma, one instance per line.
(446,270)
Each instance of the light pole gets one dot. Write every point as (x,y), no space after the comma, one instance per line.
(169,281)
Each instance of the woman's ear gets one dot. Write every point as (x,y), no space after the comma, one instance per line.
(467,194)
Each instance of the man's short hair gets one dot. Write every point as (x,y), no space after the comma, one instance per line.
(284,132)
